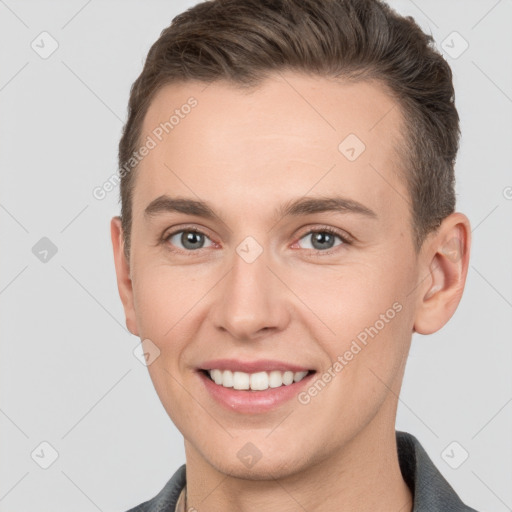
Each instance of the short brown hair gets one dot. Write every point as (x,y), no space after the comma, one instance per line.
(244,41)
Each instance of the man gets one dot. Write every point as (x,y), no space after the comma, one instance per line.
(287,224)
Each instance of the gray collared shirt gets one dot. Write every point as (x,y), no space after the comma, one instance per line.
(432,493)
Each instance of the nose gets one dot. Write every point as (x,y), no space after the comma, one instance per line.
(251,299)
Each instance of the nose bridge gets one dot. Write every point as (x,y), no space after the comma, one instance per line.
(252,298)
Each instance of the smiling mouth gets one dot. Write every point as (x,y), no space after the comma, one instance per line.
(258,381)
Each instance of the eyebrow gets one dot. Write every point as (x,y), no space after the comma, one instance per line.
(293,208)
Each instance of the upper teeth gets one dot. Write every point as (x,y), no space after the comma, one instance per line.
(256,381)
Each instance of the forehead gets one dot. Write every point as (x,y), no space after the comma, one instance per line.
(290,135)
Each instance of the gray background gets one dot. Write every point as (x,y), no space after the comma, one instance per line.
(68,375)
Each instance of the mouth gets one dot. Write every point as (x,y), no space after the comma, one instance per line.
(253,387)
(257,392)
(257,381)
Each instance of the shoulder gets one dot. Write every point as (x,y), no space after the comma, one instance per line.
(166,499)
(431,490)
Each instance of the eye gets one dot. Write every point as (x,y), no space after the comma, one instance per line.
(323,239)
(190,239)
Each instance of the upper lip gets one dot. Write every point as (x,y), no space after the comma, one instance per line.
(259,365)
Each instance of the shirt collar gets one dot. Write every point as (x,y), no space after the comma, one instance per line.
(431,491)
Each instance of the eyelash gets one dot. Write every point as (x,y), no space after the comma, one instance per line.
(332,231)
(315,252)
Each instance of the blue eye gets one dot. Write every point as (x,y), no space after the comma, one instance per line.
(323,239)
(191,239)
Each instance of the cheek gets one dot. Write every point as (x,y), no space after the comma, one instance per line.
(163,296)
(369,319)
(350,298)
(165,300)
(366,308)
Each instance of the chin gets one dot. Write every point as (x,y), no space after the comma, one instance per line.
(237,462)
(262,470)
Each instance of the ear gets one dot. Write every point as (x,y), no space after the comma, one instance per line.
(444,266)
(124,281)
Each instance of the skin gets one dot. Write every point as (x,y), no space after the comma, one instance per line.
(246,153)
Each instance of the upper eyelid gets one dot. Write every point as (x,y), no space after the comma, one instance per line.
(335,231)
(194,229)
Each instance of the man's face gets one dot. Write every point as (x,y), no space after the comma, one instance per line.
(258,284)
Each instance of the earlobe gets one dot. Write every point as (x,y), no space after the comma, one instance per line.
(446,261)
(124,281)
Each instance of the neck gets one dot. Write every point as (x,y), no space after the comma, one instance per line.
(363,475)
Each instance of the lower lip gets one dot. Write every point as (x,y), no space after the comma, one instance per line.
(253,402)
